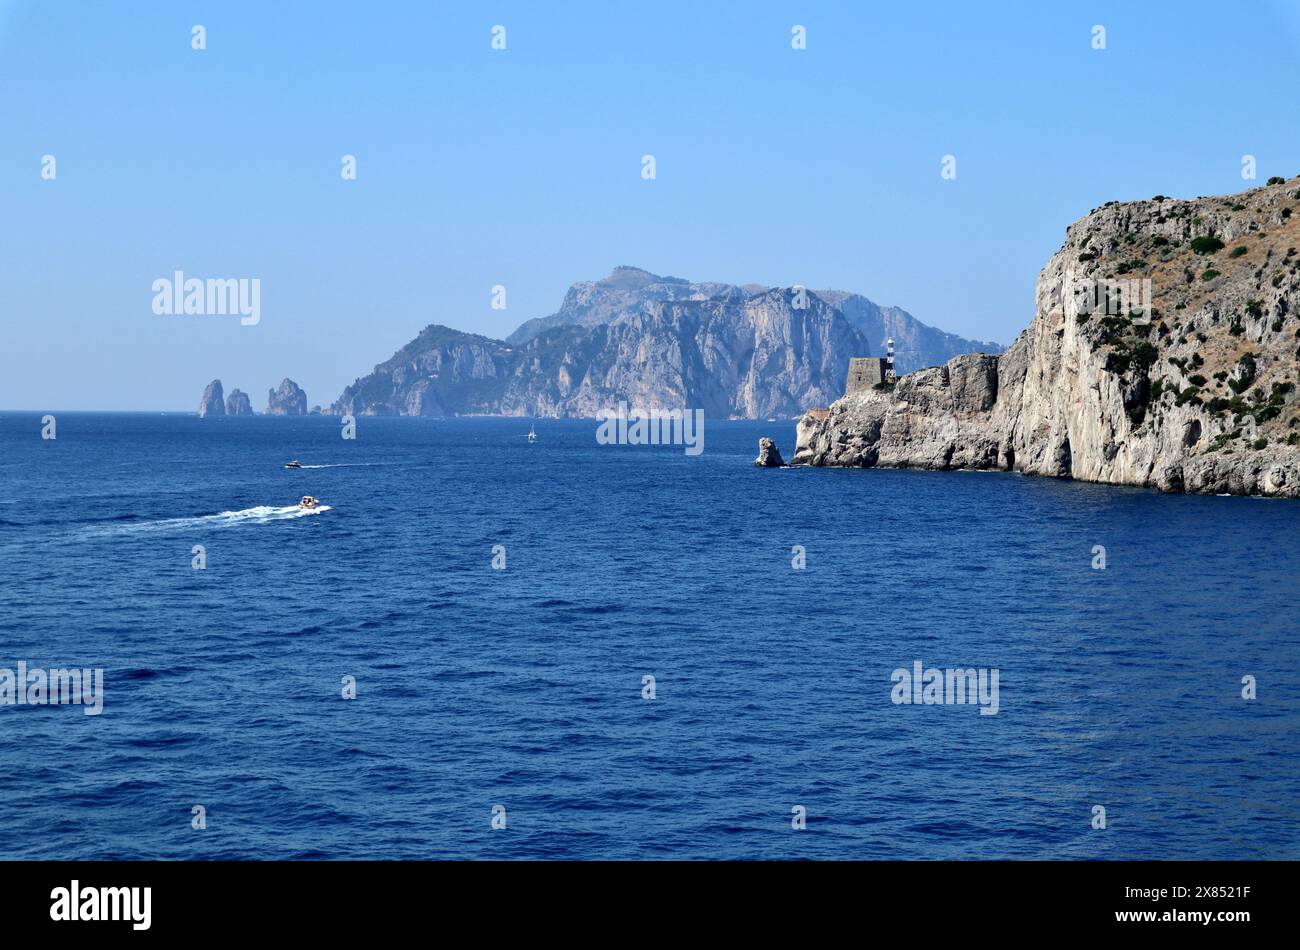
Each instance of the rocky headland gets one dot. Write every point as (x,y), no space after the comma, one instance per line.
(1196,394)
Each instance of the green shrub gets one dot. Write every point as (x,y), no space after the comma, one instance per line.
(1209,274)
(1206,244)
(1238,251)
(1246,377)
(1276,180)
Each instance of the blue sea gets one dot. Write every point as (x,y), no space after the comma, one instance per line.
(521,692)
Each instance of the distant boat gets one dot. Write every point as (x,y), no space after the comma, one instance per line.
(294,464)
(532,435)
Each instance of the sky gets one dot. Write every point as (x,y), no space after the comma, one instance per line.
(478,167)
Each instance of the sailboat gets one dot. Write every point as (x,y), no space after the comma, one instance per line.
(532,435)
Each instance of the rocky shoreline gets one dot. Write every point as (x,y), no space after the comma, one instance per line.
(1197,394)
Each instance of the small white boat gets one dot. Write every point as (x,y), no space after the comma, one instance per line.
(293,464)
(532,434)
(308,502)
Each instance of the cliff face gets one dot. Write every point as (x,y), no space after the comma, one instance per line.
(629,289)
(730,356)
(287,400)
(1202,398)
(238,403)
(212,403)
(442,372)
(656,343)
(733,355)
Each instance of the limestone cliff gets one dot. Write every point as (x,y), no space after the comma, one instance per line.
(741,353)
(591,303)
(1198,394)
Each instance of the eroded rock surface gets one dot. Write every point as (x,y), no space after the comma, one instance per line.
(1197,395)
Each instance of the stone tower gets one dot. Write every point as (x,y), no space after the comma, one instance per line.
(865,372)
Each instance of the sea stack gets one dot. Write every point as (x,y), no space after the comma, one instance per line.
(288,400)
(769,456)
(238,403)
(213,402)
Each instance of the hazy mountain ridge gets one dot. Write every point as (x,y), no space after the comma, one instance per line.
(657,343)
(916,345)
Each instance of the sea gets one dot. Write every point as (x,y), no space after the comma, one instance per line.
(482,647)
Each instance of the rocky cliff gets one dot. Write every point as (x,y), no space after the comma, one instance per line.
(656,343)
(628,289)
(287,400)
(442,372)
(733,355)
(238,403)
(1196,394)
(213,402)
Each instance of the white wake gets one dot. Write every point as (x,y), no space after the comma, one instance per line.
(262,514)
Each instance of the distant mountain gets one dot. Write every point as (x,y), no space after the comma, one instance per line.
(916,345)
(592,303)
(657,343)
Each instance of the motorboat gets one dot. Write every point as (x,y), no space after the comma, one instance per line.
(308,502)
(293,464)
(532,434)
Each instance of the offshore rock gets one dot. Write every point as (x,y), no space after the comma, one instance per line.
(287,400)
(212,403)
(238,403)
(769,456)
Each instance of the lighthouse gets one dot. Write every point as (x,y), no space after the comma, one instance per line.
(890,376)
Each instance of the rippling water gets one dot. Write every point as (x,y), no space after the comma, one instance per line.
(523,687)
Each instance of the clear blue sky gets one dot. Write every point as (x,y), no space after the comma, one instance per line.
(522,168)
